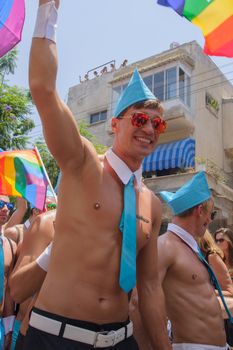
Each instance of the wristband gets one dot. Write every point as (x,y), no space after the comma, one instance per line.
(43,259)
(27,224)
(46,22)
(8,323)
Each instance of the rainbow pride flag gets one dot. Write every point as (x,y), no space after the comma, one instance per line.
(22,175)
(12,14)
(213,17)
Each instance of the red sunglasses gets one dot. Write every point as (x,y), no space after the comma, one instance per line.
(139,119)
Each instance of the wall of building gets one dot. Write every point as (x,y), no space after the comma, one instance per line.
(89,97)
(209,124)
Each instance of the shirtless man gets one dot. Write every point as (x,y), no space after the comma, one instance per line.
(81,289)
(191,301)
(9,250)
(16,232)
(27,276)
(15,219)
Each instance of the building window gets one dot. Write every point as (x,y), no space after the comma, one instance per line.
(171,86)
(182,84)
(98,117)
(184,87)
(163,84)
(116,93)
(149,82)
(159,85)
(167,84)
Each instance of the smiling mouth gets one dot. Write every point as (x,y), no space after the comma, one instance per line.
(143,140)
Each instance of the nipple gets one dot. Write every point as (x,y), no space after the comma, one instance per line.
(97,206)
(194,276)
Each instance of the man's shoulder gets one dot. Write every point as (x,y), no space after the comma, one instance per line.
(14,232)
(42,222)
(9,246)
(166,250)
(165,237)
(155,199)
(171,239)
(166,241)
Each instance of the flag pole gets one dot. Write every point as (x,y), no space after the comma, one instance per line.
(45,172)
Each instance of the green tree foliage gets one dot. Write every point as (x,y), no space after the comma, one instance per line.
(48,160)
(15,108)
(8,63)
(83,128)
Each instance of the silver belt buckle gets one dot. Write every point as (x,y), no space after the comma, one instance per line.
(95,345)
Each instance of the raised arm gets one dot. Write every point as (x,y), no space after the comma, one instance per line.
(150,293)
(18,215)
(60,129)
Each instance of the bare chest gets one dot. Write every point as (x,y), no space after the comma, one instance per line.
(188,269)
(97,205)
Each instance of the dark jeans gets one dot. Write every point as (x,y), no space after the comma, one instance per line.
(229,331)
(40,340)
(19,342)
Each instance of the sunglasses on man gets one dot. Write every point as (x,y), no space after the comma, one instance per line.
(139,119)
(10,206)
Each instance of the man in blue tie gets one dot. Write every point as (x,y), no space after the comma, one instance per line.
(107,221)
(188,282)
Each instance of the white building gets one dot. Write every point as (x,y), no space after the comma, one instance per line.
(198,103)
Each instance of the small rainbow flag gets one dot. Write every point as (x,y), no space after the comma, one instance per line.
(12,14)
(213,17)
(22,175)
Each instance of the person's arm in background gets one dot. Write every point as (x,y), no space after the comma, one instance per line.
(150,293)
(18,215)
(31,277)
(36,239)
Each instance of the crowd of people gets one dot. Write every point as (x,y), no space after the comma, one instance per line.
(94,272)
(192,306)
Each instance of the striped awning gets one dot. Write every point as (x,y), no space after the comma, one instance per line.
(178,154)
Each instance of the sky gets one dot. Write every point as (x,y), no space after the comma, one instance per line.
(91,33)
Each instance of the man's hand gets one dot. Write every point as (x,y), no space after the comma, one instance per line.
(21,204)
(18,215)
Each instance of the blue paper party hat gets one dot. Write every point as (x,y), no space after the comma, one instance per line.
(136,91)
(194,192)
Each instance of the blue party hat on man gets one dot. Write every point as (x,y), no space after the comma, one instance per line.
(194,192)
(136,91)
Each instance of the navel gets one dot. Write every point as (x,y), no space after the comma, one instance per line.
(101,300)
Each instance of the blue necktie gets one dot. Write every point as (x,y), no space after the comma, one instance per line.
(128,228)
(215,283)
(1,271)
